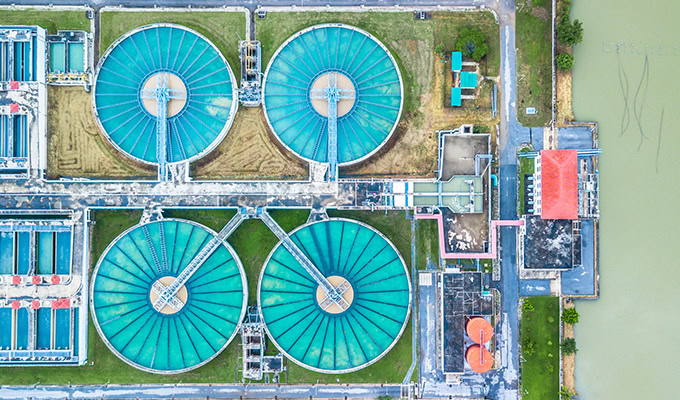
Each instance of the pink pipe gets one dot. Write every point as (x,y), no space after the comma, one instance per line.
(442,241)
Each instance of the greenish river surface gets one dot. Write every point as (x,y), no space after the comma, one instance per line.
(628,340)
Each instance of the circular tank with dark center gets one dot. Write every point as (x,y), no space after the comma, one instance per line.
(369,273)
(200,322)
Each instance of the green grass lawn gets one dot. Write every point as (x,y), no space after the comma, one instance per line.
(50,20)
(223,29)
(534,63)
(526,166)
(541,370)
(291,218)
(427,242)
(214,219)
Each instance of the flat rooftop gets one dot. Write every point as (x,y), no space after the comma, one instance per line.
(459,152)
(462,297)
(548,243)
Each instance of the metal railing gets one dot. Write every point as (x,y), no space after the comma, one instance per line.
(168,293)
(333,294)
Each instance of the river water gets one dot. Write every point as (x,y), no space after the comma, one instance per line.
(627,340)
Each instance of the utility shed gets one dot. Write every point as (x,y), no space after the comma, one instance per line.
(456,61)
(455,97)
(468,80)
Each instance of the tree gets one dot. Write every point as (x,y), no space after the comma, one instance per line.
(568,32)
(564,61)
(439,49)
(568,346)
(527,307)
(570,316)
(566,394)
(472,43)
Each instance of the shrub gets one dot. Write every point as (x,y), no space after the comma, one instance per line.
(472,43)
(568,32)
(570,316)
(527,307)
(564,9)
(566,394)
(482,129)
(564,61)
(439,49)
(568,346)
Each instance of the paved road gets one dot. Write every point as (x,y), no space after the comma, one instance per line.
(197,391)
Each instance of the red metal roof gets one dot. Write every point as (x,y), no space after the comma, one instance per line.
(559,177)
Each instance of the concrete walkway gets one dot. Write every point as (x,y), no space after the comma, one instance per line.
(198,391)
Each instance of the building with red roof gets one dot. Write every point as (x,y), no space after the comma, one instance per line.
(557,184)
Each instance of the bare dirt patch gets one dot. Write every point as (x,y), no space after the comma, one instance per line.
(540,12)
(76,146)
(249,151)
(565,112)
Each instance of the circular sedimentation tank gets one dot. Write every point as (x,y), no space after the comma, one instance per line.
(361,65)
(176,339)
(479,330)
(203,95)
(479,358)
(320,335)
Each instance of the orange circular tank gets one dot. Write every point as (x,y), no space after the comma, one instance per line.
(479,330)
(479,358)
